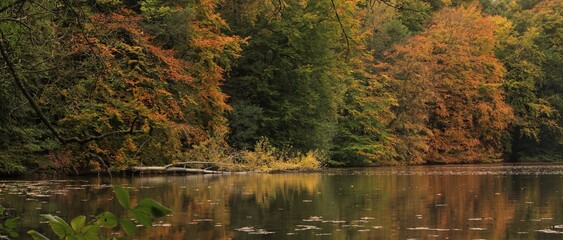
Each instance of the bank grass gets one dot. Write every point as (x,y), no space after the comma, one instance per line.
(266,158)
(263,158)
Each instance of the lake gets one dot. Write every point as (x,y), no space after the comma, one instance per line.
(417,202)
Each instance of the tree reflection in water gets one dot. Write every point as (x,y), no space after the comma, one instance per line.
(467,202)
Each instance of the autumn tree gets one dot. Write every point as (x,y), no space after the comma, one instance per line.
(102,72)
(530,47)
(449,88)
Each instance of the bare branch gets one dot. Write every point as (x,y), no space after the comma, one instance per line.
(16,20)
(24,90)
(343,30)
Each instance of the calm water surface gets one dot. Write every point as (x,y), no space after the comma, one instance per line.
(421,202)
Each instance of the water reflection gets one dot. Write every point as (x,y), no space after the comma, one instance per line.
(436,202)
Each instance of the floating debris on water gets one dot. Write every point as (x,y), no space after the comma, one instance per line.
(252,230)
(377,227)
(550,231)
(162,225)
(429,229)
(246,229)
(313,219)
(203,220)
(323,234)
(477,229)
(306,227)
(334,221)
(261,232)
(307,201)
(353,226)
(418,228)
(475,219)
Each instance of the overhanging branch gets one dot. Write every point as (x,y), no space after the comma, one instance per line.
(44,120)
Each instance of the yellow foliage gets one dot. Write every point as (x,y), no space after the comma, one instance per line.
(266,158)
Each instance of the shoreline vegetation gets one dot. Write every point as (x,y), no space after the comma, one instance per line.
(269,86)
(264,158)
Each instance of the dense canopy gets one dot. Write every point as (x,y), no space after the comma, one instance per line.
(110,84)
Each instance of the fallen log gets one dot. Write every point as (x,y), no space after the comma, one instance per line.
(171,169)
(182,167)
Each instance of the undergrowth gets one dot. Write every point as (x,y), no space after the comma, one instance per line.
(264,157)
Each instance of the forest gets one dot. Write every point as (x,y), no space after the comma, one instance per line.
(109,84)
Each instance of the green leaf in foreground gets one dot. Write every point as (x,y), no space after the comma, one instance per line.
(122,196)
(11,223)
(78,223)
(91,231)
(128,226)
(156,209)
(36,236)
(107,220)
(142,214)
(58,225)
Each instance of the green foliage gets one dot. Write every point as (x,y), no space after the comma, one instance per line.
(8,224)
(145,212)
(363,137)
(530,47)
(244,122)
(416,13)
(154,9)
(122,196)
(292,72)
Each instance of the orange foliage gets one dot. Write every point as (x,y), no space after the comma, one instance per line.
(180,96)
(449,82)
